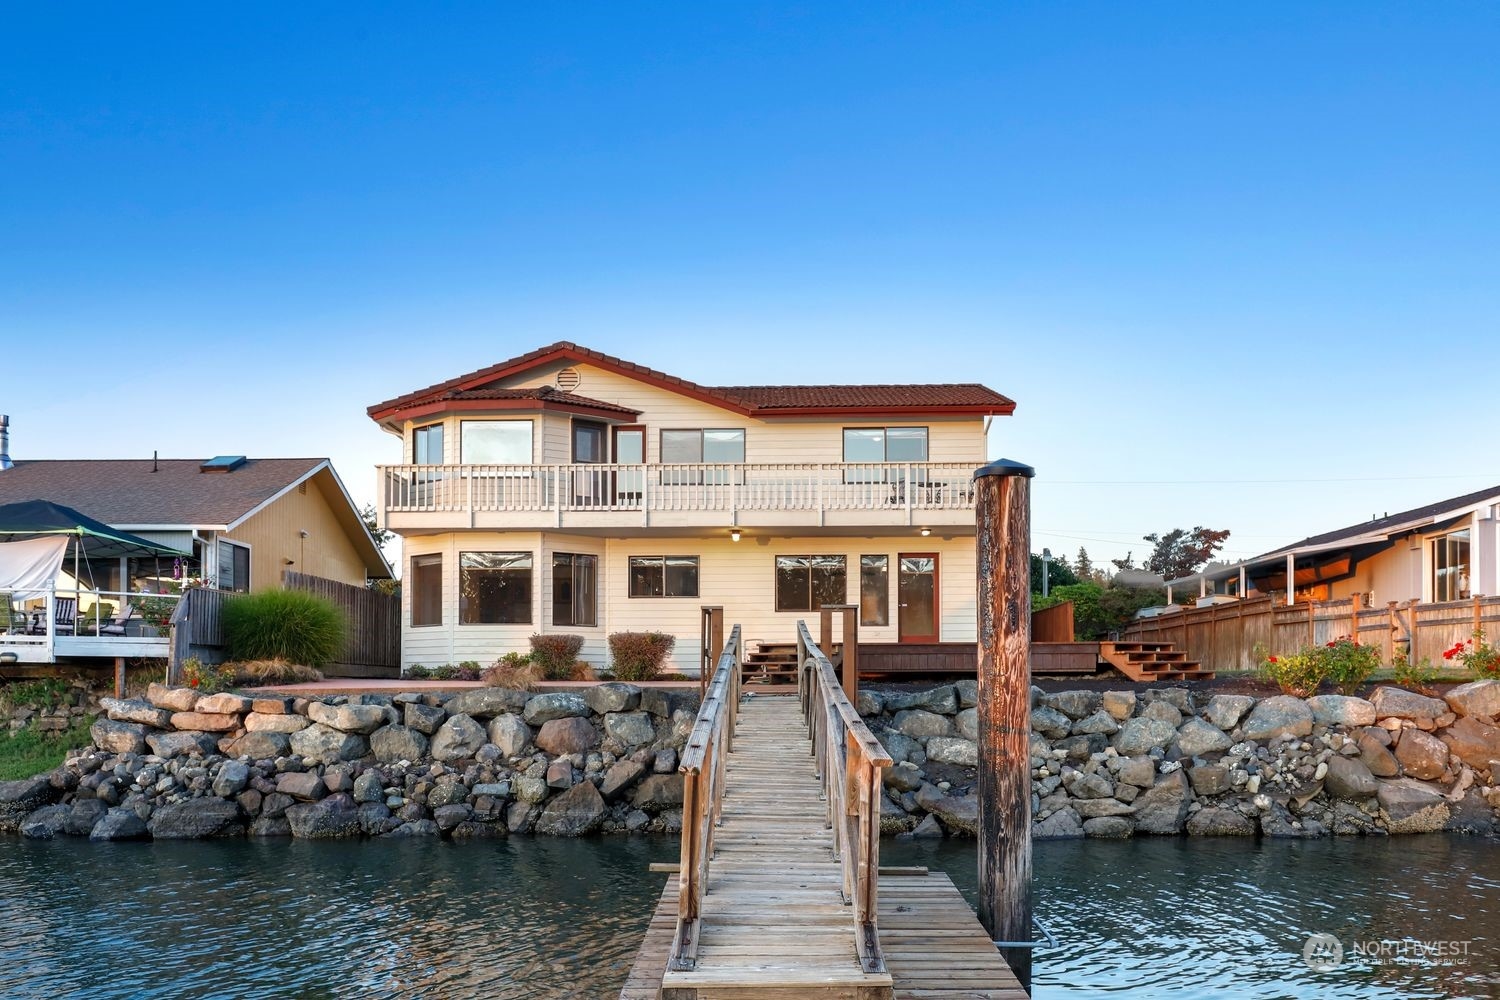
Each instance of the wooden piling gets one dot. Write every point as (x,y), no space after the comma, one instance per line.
(1003,515)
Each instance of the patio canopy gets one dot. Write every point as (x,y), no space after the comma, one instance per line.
(41,518)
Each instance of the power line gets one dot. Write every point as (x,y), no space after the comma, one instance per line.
(1256,482)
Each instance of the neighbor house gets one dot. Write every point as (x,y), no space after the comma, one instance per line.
(1444,551)
(234,522)
(566,490)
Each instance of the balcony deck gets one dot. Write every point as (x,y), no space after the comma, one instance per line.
(604,498)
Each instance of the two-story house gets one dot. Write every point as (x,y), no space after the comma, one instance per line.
(566,490)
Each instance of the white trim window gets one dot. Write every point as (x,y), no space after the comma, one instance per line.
(1451,566)
(233,570)
(494,588)
(663,576)
(575,589)
(495,442)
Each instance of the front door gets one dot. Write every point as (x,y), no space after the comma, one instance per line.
(630,449)
(917,597)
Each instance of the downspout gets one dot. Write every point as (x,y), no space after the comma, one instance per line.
(5,462)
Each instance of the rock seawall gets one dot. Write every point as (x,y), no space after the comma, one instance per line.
(482,763)
(1169,761)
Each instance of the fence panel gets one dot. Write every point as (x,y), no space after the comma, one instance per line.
(372,636)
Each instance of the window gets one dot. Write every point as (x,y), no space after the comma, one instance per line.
(1450,567)
(588,441)
(494,442)
(874,590)
(575,589)
(427,445)
(724,446)
(494,588)
(885,444)
(663,576)
(234,567)
(427,590)
(806,583)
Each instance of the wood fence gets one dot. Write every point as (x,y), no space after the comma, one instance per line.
(1224,636)
(1054,624)
(372,633)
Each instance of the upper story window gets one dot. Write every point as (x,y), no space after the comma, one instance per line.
(589,439)
(1450,567)
(494,442)
(885,444)
(707,445)
(427,445)
(234,567)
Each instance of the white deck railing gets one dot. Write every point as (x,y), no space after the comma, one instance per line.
(32,630)
(704,487)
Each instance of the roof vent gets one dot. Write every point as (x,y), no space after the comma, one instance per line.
(5,462)
(222,463)
(568,379)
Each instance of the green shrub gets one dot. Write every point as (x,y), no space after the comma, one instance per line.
(1348,664)
(42,693)
(556,654)
(30,751)
(638,656)
(417,672)
(1415,676)
(1298,674)
(290,624)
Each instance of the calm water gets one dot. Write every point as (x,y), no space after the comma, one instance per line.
(550,919)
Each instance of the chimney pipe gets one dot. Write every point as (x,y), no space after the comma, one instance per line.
(5,462)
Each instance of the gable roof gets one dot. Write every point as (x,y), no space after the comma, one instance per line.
(143,493)
(1393,523)
(755,400)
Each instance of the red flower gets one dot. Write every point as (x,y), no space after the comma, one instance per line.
(1273,660)
(193,682)
(1332,644)
(1448,654)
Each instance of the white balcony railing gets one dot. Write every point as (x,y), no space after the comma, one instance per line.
(726,488)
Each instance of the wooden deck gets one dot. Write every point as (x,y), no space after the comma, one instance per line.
(774,923)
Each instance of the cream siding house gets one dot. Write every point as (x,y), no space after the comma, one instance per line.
(570,491)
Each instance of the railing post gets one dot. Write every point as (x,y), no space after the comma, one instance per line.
(825,630)
(851,653)
(711,645)
(1003,523)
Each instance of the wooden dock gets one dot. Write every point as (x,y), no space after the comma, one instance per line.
(775,917)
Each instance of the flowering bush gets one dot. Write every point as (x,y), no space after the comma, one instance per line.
(1298,674)
(1476,656)
(1348,664)
(206,679)
(1415,676)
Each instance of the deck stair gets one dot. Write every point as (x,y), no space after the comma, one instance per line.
(771,663)
(1152,661)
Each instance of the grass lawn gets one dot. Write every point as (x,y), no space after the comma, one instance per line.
(31,752)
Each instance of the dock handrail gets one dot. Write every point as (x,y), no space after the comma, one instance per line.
(849,761)
(702,767)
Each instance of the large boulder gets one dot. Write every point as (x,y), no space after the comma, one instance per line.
(195,819)
(966,722)
(919,723)
(1226,710)
(614,696)
(1375,755)
(511,735)
(619,779)
(576,812)
(967,691)
(1422,755)
(232,778)
(256,746)
(1163,808)
(1409,806)
(207,722)
(135,710)
(1196,738)
(1074,704)
(1283,715)
(953,750)
(1349,778)
(176,744)
(1140,736)
(84,815)
(223,703)
(426,719)
(658,793)
(1341,710)
(361,719)
(1100,722)
(18,799)
(173,699)
(486,703)
(1061,825)
(120,823)
(1399,703)
(45,823)
(457,738)
(939,700)
(332,818)
(570,735)
(325,745)
(305,786)
(1475,698)
(1474,743)
(1209,779)
(1118,705)
(118,737)
(259,722)
(543,708)
(1050,722)
(1108,828)
(629,729)
(1218,822)
(957,813)
(392,743)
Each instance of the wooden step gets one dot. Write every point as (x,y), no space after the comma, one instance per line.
(1153,661)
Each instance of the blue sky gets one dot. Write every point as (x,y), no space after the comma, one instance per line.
(1204,246)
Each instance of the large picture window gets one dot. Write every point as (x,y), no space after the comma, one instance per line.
(697,447)
(806,583)
(663,576)
(427,445)
(885,444)
(874,590)
(575,589)
(494,588)
(234,567)
(494,442)
(426,590)
(1450,567)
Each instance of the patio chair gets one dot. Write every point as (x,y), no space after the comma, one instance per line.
(116,625)
(66,614)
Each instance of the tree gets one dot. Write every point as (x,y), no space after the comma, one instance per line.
(1126,564)
(1058,573)
(1181,553)
(382,536)
(1083,566)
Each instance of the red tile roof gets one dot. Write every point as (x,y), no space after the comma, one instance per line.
(543,393)
(761,400)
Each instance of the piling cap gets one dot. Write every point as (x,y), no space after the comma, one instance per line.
(1005,467)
